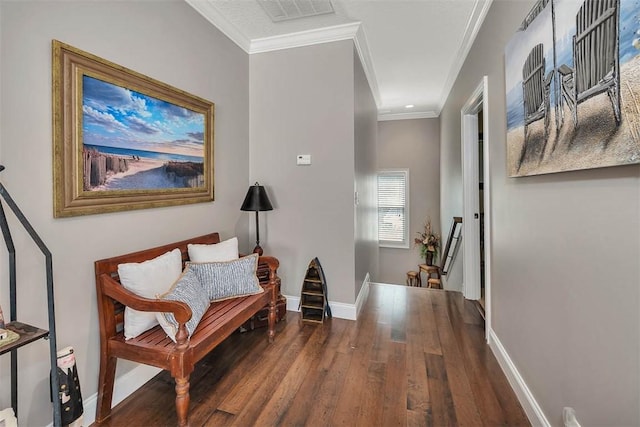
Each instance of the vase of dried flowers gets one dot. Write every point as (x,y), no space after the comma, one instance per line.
(429,258)
(429,242)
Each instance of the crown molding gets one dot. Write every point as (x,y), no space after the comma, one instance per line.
(480,10)
(360,41)
(349,31)
(407,116)
(213,15)
(305,38)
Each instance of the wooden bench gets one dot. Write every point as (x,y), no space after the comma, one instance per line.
(153,347)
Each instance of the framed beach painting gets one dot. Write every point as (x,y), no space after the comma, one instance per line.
(125,141)
(572,76)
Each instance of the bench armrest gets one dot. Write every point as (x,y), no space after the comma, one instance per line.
(114,290)
(272,263)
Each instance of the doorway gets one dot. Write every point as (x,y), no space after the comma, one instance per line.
(481,301)
(476,223)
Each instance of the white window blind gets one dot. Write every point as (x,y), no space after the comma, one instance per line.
(393,208)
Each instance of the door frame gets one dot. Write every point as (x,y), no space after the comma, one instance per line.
(479,100)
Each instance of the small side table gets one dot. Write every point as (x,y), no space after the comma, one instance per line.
(429,270)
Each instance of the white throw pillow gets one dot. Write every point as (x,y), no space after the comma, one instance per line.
(148,279)
(218,252)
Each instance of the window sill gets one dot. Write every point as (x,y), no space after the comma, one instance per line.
(393,246)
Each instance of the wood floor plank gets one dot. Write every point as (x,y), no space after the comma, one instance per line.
(399,316)
(395,387)
(351,395)
(330,363)
(322,407)
(418,400)
(443,411)
(427,321)
(280,399)
(372,394)
(294,408)
(256,376)
(415,357)
(474,352)
(218,369)
(463,398)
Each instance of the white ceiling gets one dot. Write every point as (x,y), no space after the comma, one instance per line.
(411,50)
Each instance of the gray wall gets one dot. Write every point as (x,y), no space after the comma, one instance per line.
(566,247)
(302,102)
(414,145)
(366,163)
(148,37)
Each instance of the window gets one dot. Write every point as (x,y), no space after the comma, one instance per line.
(393,208)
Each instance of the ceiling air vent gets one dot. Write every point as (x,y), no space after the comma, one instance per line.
(285,10)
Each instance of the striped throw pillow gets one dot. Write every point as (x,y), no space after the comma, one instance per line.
(187,289)
(228,279)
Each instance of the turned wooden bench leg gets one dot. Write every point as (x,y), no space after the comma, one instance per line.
(182,400)
(106,379)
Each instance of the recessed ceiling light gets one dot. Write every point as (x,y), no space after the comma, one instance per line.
(409,106)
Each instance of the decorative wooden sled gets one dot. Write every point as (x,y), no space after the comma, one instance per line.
(314,305)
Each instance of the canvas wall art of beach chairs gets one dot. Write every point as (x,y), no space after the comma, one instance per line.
(572,81)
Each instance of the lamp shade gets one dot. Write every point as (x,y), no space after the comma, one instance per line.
(256,199)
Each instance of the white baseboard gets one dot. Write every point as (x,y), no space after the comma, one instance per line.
(526,398)
(124,386)
(363,294)
(338,309)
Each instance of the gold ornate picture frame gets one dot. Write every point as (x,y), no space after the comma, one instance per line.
(123,141)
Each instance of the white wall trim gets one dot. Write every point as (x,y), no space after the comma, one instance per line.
(349,31)
(305,38)
(124,386)
(407,116)
(480,10)
(488,210)
(470,205)
(526,398)
(293,303)
(362,47)
(338,309)
(363,294)
(211,14)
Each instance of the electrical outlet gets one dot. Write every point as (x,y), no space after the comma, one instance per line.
(569,417)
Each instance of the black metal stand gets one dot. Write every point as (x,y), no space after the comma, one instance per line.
(28,333)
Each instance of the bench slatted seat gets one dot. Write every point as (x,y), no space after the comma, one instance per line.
(153,347)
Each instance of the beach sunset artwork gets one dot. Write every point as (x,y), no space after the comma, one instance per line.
(133,141)
(572,83)
(123,140)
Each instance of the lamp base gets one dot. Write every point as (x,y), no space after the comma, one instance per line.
(258,250)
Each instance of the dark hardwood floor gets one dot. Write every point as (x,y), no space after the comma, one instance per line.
(415,357)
